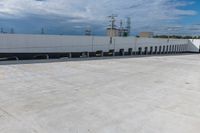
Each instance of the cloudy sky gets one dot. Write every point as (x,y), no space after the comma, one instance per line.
(73,16)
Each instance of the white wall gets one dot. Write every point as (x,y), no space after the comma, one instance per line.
(194,45)
(16,43)
(43,43)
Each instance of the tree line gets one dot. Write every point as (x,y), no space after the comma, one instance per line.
(177,37)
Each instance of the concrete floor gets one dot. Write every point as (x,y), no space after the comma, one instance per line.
(133,95)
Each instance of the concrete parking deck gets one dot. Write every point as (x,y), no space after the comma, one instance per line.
(133,95)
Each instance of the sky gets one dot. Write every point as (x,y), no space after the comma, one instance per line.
(72,17)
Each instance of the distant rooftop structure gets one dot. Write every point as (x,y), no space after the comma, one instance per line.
(114,30)
(146,34)
(88,31)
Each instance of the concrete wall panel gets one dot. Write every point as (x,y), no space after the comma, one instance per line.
(16,43)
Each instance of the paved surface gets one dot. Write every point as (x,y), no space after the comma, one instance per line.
(135,95)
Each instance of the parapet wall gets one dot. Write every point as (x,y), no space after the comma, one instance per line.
(15,43)
(194,45)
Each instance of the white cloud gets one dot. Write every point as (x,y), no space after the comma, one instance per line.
(143,12)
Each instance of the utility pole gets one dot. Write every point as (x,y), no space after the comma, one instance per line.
(172,28)
(88,31)
(121,28)
(112,26)
(12,31)
(42,31)
(2,30)
(129,26)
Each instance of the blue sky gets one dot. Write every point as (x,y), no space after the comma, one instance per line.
(74,16)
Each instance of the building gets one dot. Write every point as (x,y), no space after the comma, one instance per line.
(113,32)
(117,32)
(123,32)
(146,34)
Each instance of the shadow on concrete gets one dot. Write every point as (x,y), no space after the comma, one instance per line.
(18,62)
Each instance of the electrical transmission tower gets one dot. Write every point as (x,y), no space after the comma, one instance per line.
(129,26)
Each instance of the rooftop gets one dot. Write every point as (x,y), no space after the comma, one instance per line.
(141,95)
